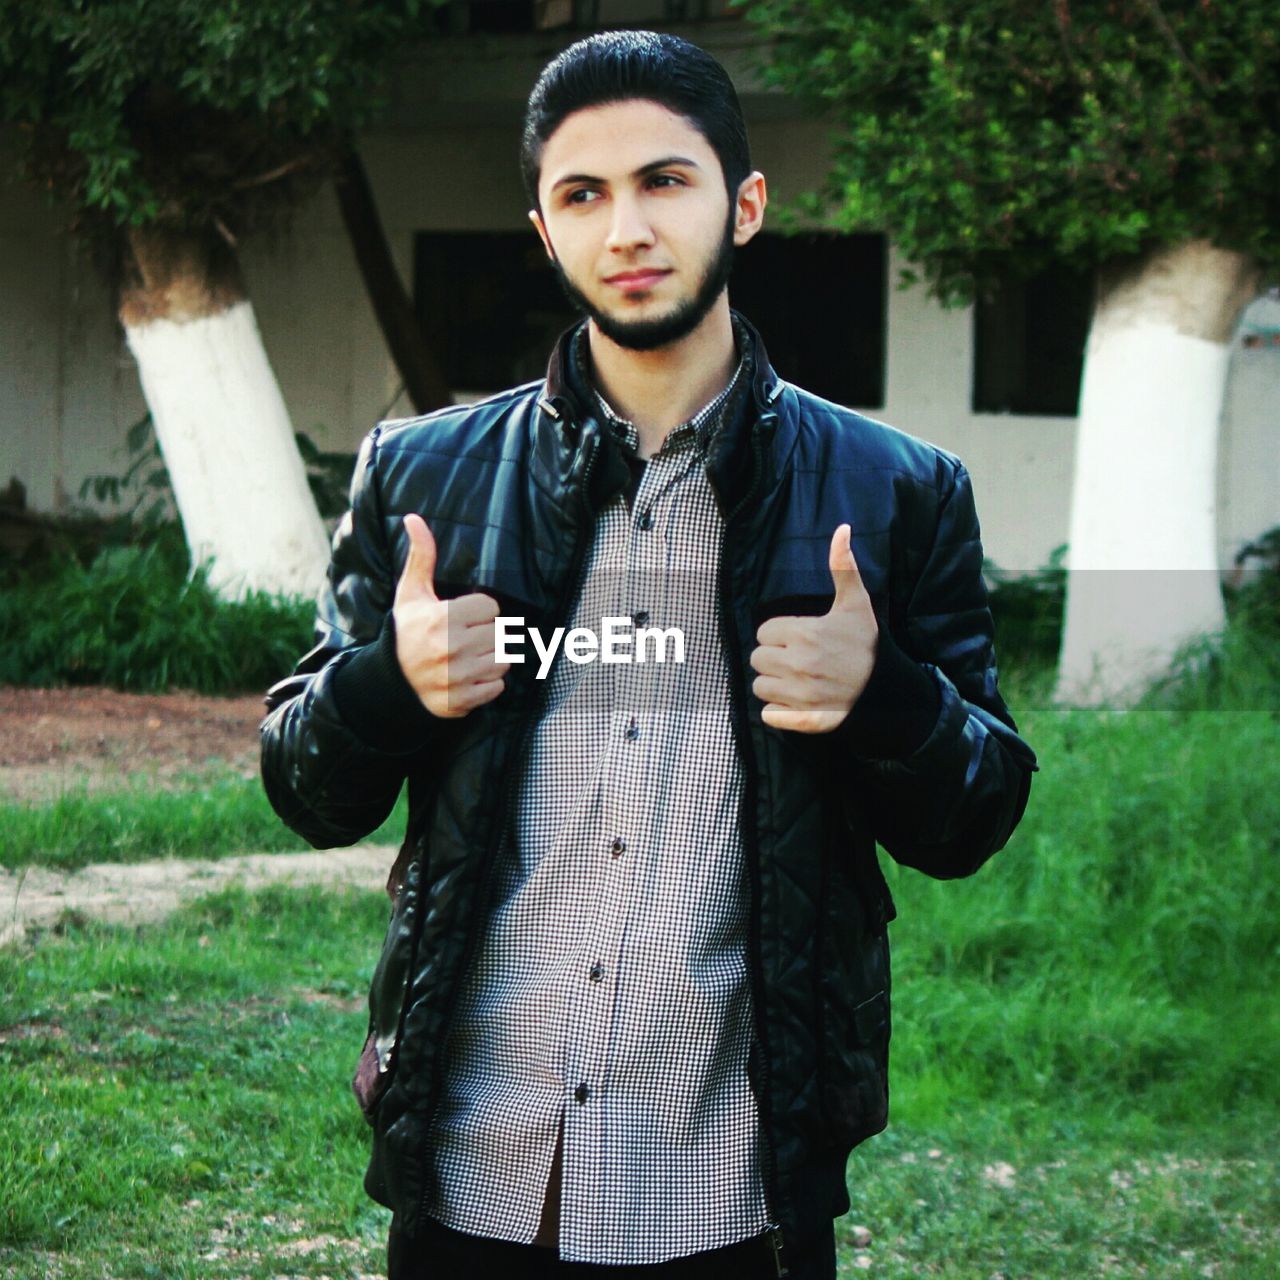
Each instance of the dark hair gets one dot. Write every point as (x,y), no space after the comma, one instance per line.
(617,66)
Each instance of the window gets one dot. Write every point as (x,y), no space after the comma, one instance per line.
(818,300)
(489,304)
(491,307)
(1028,348)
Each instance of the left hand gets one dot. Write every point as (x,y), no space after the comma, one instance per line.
(812,670)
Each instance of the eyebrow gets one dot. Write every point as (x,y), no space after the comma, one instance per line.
(644,171)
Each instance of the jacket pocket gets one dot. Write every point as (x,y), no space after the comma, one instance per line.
(855,1086)
(376,1067)
(854,990)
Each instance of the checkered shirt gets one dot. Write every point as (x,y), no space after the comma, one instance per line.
(610,988)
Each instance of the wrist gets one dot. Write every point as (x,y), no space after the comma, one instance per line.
(897,708)
(375,698)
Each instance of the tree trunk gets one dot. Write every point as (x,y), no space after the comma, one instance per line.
(420,371)
(1142,554)
(238,479)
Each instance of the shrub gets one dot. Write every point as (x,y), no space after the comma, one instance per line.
(134,618)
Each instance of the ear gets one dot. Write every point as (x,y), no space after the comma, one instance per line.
(749,211)
(541,228)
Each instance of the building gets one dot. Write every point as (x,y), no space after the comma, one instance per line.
(996,384)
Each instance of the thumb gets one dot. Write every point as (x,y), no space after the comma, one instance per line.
(844,569)
(417,578)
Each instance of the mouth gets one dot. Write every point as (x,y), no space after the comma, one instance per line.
(639,279)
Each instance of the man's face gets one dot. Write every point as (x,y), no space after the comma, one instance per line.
(637,221)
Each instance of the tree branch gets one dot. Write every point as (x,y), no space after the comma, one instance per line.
(1161,24)
(272,175)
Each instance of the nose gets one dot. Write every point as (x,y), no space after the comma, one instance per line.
(630,229)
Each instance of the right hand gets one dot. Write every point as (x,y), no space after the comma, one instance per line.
(444,647)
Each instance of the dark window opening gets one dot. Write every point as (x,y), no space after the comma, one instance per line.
(489,304)
(492,309)
(818,300)
(1028,349)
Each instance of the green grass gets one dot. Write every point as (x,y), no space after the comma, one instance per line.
(178,1107)
(1119,948)
(180,1091)
(208,816)
(1083,1054)
(1081,1208)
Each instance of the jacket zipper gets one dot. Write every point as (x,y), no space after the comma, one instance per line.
(730,643)
(473,932)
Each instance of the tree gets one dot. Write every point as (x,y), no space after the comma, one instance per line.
(174,130)
(1135,138)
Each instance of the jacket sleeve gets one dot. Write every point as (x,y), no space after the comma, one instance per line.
(342,732)
(948,796)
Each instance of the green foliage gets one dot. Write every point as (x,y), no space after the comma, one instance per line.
(193,111)
(1255,590)
(144,483)
(1011,132)
(135,618)
(1027,611)
(1116,952)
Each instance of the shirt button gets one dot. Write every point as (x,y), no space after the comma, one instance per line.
(596,972)
(645,523)
(642,618)
(618,847)
(633,730)
(581,1094)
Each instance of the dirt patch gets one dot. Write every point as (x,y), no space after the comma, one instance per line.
(140,892)
(56,740)
(64,739)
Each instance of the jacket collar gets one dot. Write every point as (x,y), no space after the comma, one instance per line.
(746,455)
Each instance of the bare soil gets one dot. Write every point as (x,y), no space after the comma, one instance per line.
(141,892)
(53,740)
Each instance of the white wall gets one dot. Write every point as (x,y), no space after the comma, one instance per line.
(68,390)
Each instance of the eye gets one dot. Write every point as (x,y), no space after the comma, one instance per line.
(666,180)
(582,195)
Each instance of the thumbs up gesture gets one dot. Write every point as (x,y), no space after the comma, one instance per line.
(444,647)
(812,670)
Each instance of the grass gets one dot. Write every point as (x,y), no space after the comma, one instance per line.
(1119,947)
(178,1108)
(213,816)
(1082,1209)
(177,1095)
(1084,1042)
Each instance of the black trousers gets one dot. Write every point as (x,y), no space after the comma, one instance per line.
(438,1253)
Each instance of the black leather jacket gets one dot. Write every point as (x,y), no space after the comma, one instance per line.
(928,764)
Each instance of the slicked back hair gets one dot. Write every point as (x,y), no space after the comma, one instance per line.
(619,66)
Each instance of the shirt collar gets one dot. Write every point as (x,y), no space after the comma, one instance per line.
(697,431)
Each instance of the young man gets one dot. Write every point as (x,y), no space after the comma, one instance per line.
(662,647)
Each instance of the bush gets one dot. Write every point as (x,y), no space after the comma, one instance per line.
(1027,611)
(135,618)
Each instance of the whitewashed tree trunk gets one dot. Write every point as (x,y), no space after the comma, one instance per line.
(1142,553)
(221,422)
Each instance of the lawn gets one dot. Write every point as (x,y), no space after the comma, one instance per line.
(1084,1048)
(216,813)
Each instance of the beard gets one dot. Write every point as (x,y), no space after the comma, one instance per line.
(661,331)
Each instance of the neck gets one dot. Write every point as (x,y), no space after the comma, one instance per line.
(658,390)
